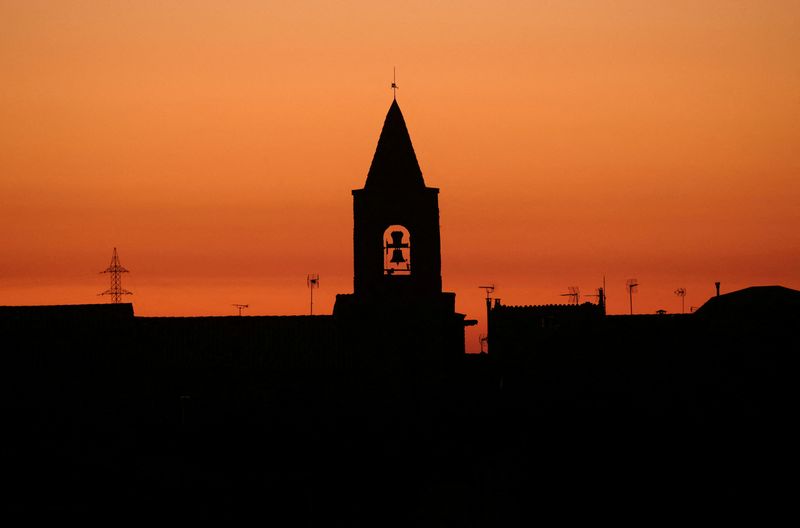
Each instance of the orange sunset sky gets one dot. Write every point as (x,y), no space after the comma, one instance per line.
(216,144)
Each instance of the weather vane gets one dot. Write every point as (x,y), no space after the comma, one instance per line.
(394,83)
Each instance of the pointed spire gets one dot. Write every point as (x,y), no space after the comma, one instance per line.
(394,165)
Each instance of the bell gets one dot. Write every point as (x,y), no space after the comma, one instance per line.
(397,256)
(397,239)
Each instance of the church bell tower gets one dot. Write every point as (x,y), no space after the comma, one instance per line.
(397,277)
(396,244)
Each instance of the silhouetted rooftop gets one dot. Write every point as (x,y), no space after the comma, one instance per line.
(394,165)
(61,311)
(753,303)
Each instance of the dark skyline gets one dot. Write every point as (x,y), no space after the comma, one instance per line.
(625,139)
(373,415)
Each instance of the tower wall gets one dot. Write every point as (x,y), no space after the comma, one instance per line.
(417,211)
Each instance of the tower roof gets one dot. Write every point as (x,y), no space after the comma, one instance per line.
(394,165)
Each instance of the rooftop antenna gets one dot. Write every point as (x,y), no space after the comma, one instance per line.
(241,307)
(681,292)
(394,83)
(632,286)
(599,295)
(116,291)
(574,295)
(489,290)
(312,281)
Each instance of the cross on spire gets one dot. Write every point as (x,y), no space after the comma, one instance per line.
(394,83)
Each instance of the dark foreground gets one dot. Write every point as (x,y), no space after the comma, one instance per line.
(644,431)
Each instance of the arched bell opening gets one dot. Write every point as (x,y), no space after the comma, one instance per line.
(396,251)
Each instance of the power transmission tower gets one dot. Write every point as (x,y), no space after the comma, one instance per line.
(116,291)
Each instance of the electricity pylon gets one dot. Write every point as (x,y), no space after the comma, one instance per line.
(116,291)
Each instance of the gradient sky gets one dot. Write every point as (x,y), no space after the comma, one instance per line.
(216,144)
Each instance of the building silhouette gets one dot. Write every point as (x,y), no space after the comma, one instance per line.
(375,416)
(398,311)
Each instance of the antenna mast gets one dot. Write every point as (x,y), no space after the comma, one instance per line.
(312,281)
(681,292)
(116,291)
(484,339)
(632,288)
(489,291)
(600,295)
(574,295)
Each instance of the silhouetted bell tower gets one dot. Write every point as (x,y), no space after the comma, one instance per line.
(396,245)
(397,308)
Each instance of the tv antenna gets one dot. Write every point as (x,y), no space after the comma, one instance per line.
(116,291)
(681,292)
(632,286)
(312,281)
(574,295)
(394,83)
(600,296)
(241,307)
(489,291)
(484,340)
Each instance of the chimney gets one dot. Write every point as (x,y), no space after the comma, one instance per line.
(717,286)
